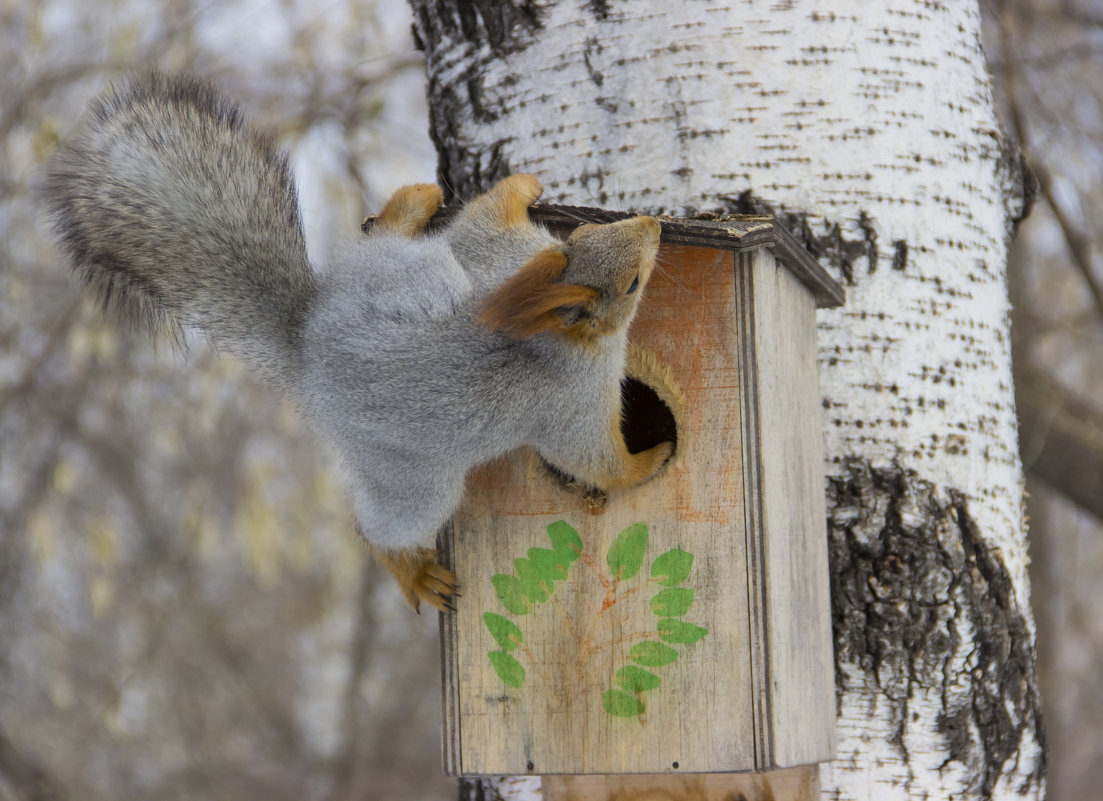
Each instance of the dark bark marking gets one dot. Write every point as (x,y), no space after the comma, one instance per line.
(899,254)
(908,568)
(593,45)
(477,790)
(1020,184)
(833,248)
(869,233)
(600,8)
(501,27)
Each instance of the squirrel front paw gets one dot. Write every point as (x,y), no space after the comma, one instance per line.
(409,209)
(511,197)
(420,576)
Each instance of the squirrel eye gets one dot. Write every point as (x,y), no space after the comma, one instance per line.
(635,285)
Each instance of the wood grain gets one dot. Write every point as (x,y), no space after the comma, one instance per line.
(793,669)
(792,784)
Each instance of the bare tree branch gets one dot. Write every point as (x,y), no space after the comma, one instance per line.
(1078,243)
(1061,439)
(22,778)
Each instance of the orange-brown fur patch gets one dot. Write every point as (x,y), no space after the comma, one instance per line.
(420,576)
(409,209)
(636,467)
(586,332)
(512,197)
(527,303)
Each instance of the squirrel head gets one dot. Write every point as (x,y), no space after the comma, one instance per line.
(584,288)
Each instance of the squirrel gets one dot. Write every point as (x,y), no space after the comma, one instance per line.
(416,354)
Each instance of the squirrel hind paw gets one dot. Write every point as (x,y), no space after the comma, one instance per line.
(421,577)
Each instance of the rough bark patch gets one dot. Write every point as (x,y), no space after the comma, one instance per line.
(828,242)
(477,790)
(911,576)
(493,29)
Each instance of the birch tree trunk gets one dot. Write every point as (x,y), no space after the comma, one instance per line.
(869,130)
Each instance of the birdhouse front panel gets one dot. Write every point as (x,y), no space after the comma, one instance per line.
(634,633)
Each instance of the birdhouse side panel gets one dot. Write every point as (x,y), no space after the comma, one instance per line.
(787,538)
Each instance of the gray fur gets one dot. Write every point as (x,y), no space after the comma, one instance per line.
(172,207)
(445,393)
(488,254)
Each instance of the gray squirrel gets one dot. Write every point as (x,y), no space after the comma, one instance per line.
(417,355)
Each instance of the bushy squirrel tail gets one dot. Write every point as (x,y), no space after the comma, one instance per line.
(175,209)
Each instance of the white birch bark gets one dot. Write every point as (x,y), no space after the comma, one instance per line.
(870,128)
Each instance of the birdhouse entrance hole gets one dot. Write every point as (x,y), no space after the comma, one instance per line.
(651,405)
(647,420)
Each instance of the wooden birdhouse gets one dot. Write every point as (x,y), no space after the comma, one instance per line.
(682,626)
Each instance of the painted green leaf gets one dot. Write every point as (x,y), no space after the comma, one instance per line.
(621,704)
(637,680)
(672,567)
(565,540)
(671,630)
(509,670)
(652,654)
(534,588)
(510,592)
(503,630)
(625,555)
(549,564)
(672,602)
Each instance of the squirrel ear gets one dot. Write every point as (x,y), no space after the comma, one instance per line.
(527,302)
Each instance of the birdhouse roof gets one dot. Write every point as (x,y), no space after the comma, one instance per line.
(735,233)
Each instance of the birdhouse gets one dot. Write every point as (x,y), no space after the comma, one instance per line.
(681,626)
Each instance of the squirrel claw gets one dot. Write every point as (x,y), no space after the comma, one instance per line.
(420,577)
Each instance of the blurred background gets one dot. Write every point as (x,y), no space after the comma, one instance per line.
(184,609)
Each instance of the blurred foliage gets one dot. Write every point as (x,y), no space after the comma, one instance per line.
(185,610)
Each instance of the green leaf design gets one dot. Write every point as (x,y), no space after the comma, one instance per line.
(509,670)
(551,565)
(672,602)
(565,540)
(652,654)
(625,555)
(533,586)
(533,583)
(672,567)
(678,631)
(621,704)
(637,680)
(510,592)
(503,630)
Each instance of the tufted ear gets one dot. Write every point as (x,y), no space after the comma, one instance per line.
(528,302)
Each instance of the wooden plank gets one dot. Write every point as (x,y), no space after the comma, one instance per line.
(793,784)
(792,665)
(556,720)
(449,734)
